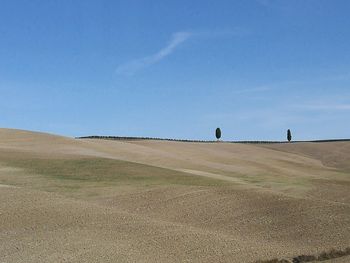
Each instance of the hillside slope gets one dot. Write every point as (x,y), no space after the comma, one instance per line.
(159,201)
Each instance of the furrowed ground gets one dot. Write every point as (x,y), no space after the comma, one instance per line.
(67,200)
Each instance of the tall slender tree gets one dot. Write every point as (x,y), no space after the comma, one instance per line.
(289,135)
(218,133)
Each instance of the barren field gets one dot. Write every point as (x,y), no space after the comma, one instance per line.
(67,200)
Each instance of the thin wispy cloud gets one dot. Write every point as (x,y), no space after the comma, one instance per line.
(324,107)
(252,90)
(133,66)
(338,77)
(178,38)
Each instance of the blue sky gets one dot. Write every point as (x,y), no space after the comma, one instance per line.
(177,69)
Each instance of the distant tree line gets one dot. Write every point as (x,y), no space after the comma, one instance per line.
(121,138)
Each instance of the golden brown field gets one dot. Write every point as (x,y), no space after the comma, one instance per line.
(67,200)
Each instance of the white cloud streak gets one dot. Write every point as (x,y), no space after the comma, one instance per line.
(133,66)
(252,90)
(324,107)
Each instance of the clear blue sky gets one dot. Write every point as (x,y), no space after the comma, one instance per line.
(177,68)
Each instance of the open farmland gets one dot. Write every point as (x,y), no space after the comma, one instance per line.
(67,200)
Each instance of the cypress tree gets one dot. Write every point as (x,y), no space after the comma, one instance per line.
(218,133)
(289,135)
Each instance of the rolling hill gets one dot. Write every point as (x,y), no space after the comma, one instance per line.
(68,200)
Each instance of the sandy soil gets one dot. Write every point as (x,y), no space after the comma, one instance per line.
(67,200)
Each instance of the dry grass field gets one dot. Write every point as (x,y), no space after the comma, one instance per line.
(67,200)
